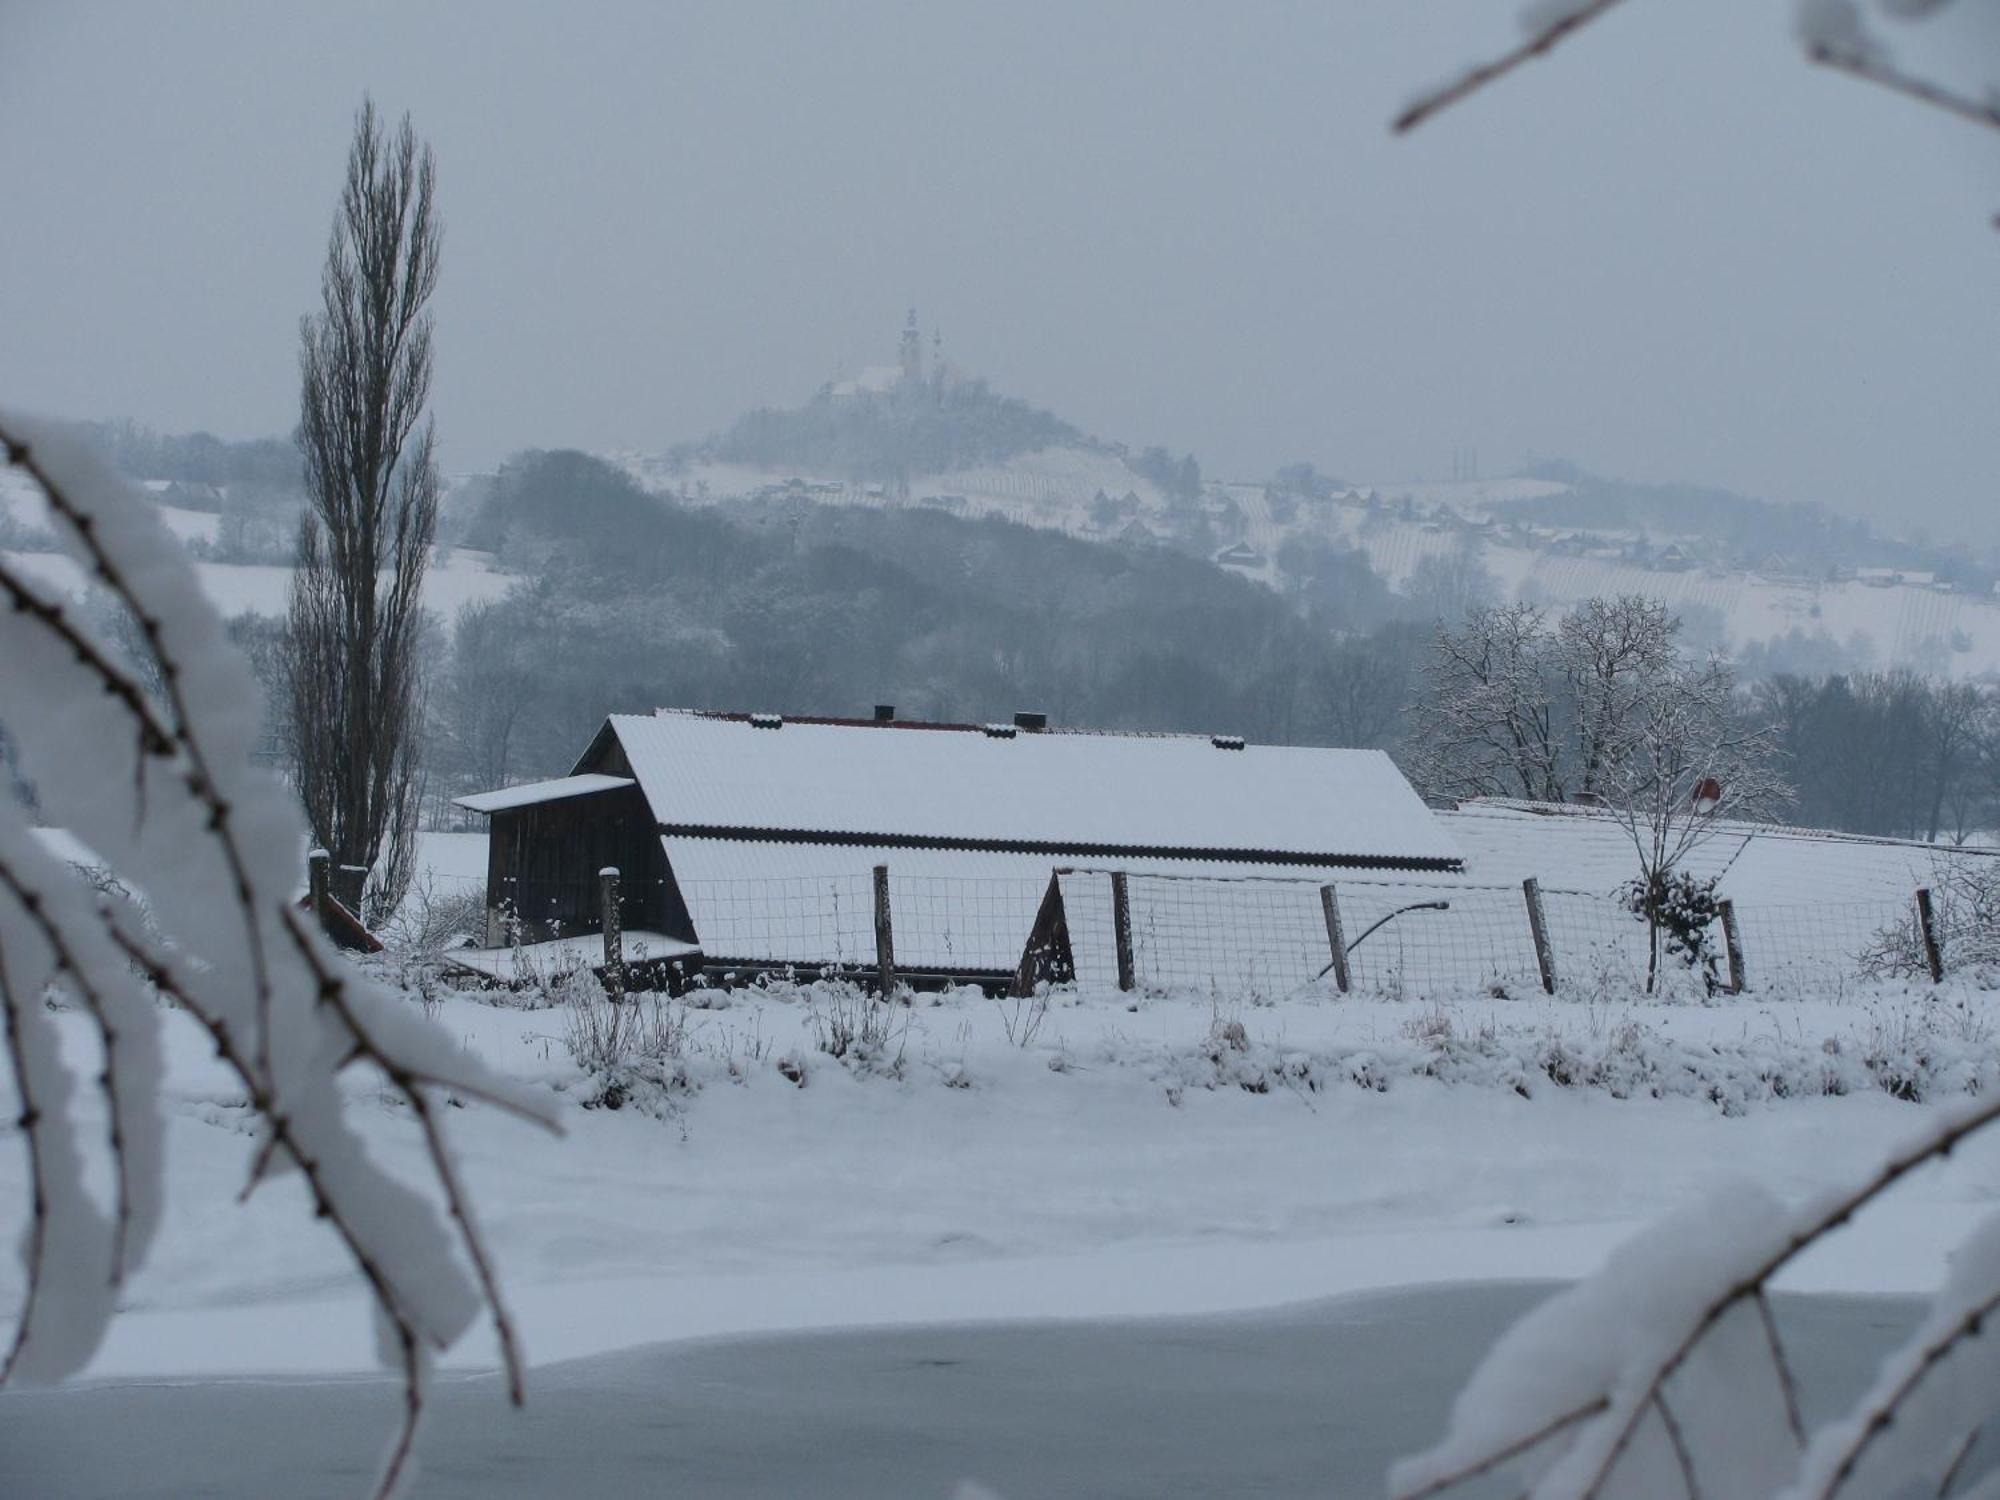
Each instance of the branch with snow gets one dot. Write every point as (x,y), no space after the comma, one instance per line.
(157,781)
(1664,1373)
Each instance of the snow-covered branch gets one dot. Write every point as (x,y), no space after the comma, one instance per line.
(1832,34)
(159,784)
(1545,25)
(1571,1389)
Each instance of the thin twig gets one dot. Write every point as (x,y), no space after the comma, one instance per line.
(1872,70)
(1882,1415)
(1957,1463)
(1793,1419)
(31,902)
(1500,1456)
(35,1253)
(1477,78)
(1678,1439)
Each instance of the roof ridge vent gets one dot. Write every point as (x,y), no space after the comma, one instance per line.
(767,721)
(999,731)
(1226,741)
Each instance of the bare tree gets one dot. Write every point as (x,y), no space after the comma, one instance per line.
(356,606)
(1488,723)
(1686,762)
(1611,653)
(1448,586)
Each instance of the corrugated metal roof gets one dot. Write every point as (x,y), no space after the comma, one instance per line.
(530,792)
(1042,794)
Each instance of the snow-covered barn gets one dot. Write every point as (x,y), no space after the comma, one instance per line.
(754,839)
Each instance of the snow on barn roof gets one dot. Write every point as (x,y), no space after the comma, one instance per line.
(1580,848)
(905,786)
(531,792)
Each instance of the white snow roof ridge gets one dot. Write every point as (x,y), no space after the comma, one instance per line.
(531,792)
(1037,792)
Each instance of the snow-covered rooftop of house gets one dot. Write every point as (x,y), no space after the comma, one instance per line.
(1050,792)
(530,792)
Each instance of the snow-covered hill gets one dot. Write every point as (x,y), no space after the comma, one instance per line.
(1056,489)
(457,578)
(1894,619)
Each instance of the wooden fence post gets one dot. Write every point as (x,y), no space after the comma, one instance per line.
(318,863)
(1538,929)
(885,937)
(1927,927)
(614,935)
(1121,929)
(1336,937)
(1732,943)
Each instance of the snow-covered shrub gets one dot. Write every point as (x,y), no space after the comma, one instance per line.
(1683,908)
(433,917)
(860,1029)
(1918,1048)
(152,771)
(1022,1016)
(630,1046)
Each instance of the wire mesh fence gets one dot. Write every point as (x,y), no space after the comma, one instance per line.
(1155,932)
(956,924)
(823,921)
(1825,943)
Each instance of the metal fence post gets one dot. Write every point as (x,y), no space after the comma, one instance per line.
(614,936)
(1538,929)
(885,937)
(1121,929)
(1732,943)
(1927,928)
(1336,938)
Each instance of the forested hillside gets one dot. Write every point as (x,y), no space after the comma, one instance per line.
(631,602)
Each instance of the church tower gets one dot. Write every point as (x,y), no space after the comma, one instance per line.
(912,355)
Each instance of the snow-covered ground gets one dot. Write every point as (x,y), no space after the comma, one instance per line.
(258,588)
(1126,1161)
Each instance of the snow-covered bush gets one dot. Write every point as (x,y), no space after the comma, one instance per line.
(152,771)
(1925,1046)
(630,1045)
(1682,908)
(856,1027)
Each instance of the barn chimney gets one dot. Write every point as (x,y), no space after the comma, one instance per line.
(1027,719)
(885,713)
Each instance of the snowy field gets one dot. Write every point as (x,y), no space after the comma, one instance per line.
(983,1162)
(1181,1157)
(261,589)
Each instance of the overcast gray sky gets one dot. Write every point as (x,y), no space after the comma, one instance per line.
(1671,251)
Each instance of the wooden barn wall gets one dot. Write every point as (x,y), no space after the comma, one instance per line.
(542,861)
